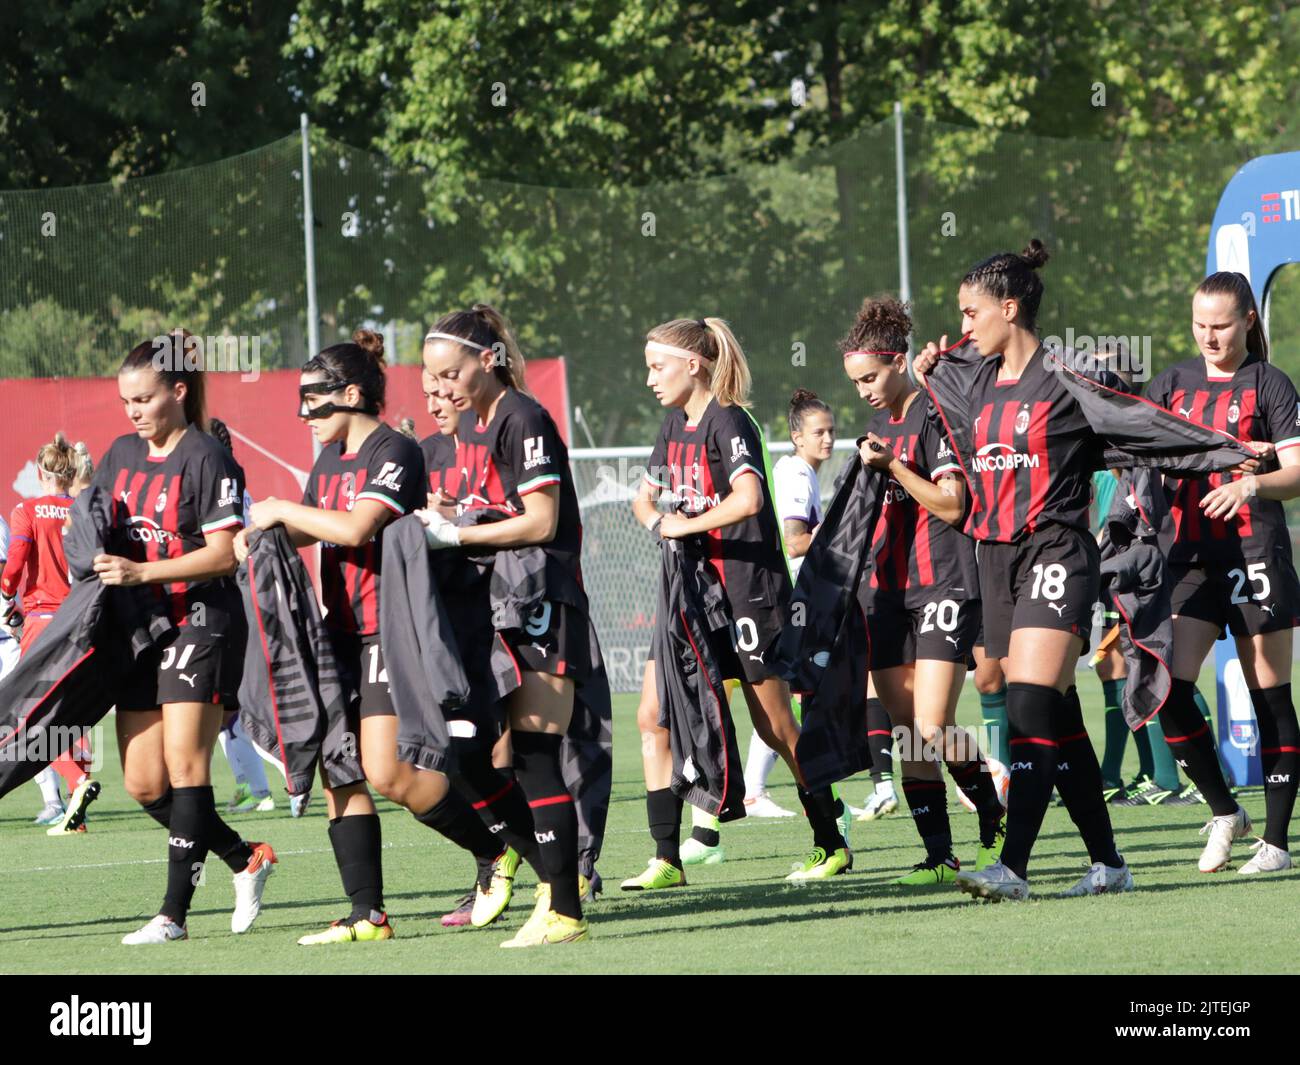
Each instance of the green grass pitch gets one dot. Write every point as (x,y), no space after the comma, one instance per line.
(68,901)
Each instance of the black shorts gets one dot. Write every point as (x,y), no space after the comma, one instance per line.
(555,639)
(741,650)
(185,671)
(1049,580)
(1247,598)
(942,629)
(361,669)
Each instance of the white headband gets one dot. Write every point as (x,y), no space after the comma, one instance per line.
(458,340)
(656,348)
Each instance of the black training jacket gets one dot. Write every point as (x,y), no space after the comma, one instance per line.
(72,674)
(1139,531)
(824,651)
(292,701)
(693,704)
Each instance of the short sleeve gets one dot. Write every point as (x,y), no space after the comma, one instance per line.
(794,492)
(656,474)
(106,469)
(219,492)
(4,540)
(1158,389)
(1282,412)
(530,446)
(395,474)
(735,442)
(936,453)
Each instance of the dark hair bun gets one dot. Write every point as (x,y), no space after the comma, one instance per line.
(801,396)
(1035,254)
(371,343)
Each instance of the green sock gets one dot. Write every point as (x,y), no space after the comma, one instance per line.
(1146,767)
(993,710)
(1116,732)
(1204,708)
(1166,769)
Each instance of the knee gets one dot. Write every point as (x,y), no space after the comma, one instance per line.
(647,717)
(989,681)
(145,790)
(929,732)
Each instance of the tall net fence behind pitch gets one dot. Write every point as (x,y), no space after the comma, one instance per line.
(620,563)
(785,252)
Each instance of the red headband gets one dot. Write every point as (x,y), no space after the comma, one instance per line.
(890,353)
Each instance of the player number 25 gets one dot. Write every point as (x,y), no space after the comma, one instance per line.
(1253,573)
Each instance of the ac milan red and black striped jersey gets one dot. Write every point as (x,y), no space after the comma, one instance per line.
(1257,402)
(697,465)
(440,465)
(915,552)
(36,561)
(389,469)
(518,452)
(1034,453)
(165,505)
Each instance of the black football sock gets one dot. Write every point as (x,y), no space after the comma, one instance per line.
(824,811)
(976,783)
(1142,739)
(1116,732)
(226,844)
(710,837)
(1164,770)
(1078,781)
(1032,711)
(497,798)
(880,736)
(1279,746)
(358,846)
(1192,745)
(555,819)
(664,814)
(187,848)
(928,801)
(160,809)
(455,820)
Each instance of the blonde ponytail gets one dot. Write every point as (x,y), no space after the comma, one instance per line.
(720,353)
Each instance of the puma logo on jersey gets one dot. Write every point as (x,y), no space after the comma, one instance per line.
(739,449)
(126,496)
(1270,608)
(1059,608)
(1186,412)
(534,454)
(188,678)
(952,640)
(756,658)
(389,476)
(539,649)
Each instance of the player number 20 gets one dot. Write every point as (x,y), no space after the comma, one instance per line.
(943,612)
(1050,580)
(746,635)
(1253,573)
